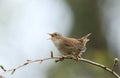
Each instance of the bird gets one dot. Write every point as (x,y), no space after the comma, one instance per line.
(69,46)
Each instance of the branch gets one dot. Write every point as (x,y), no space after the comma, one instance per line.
(61,58)
(101,66)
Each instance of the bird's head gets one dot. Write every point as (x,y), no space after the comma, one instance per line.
(55,35)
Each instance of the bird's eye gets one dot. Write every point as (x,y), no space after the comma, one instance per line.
(55,34)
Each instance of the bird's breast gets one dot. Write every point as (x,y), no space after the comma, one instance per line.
(57,42)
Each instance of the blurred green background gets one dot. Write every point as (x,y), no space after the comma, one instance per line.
(24,25)
(87,19)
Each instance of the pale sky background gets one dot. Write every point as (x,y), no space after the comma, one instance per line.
(24,25)
(24,28)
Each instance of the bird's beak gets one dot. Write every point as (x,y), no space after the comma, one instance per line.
(51,36)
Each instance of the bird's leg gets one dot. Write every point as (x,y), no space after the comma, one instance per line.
(60,59)
(65,56)
(76,57)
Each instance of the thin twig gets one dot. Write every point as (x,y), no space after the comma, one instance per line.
(60,58)
(101,66)
(116,60)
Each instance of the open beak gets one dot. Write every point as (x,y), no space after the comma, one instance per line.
(51,36)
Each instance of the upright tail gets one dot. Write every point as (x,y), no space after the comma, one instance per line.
(87,35)
(84,39)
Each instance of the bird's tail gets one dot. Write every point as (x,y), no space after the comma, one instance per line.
(87,35)
(84,39)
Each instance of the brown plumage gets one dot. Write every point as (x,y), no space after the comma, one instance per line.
(68,45)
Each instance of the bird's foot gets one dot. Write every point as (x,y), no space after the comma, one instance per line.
(67,56)
(77,57)
(60,59)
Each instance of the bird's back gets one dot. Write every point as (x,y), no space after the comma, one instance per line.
(70,46)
